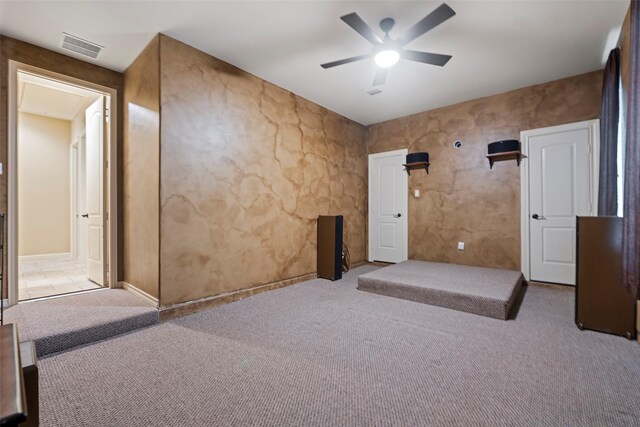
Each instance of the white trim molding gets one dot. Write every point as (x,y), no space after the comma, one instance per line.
(73,173)
(594,137)
(46,257)
(405,203)
(111,176)
(140,293)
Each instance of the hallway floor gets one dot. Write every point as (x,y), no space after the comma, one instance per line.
(48,277)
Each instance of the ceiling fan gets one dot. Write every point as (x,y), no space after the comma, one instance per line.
(387,52)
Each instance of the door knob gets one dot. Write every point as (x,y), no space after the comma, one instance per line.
(85,215)
(397,215)
(538,217)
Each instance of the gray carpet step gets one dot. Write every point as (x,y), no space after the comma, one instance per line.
(65,341)
(483,291)
(61,324)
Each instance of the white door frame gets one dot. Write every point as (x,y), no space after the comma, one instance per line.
(594,135)
(405,198)
(12,176)
(74,198)
(75,212)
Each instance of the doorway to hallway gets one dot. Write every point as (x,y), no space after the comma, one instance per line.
(62,137)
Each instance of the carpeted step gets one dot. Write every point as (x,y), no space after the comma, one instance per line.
(60,324)
(485,291)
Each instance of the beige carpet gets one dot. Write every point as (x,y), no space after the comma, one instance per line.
(485,291)
(65,322)
(321,353)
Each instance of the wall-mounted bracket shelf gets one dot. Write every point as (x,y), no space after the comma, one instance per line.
(509,155)
(416,165)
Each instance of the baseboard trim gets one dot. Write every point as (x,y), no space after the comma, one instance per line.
(45,257)
(139,293)
(560,287)
(359,264)
(182,309)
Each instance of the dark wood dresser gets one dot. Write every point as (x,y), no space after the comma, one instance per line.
(602,304)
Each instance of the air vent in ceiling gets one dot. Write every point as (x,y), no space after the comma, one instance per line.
(78,45)
(374,92)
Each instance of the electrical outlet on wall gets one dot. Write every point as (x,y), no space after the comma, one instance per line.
(416,193)
(461,246)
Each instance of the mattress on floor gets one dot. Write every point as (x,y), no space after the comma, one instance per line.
(485,291)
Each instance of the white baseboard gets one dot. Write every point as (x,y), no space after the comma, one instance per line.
(139,293)
(46,257)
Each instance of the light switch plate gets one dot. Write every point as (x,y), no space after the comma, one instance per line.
(461,246)
(416,192)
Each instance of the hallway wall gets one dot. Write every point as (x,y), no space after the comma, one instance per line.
(44,185)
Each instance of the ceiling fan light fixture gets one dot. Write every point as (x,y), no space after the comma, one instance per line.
(387,58)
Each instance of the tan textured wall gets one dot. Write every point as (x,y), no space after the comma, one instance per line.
(246,169)
(12,49)
(461,199)
(44,185)
(141,171)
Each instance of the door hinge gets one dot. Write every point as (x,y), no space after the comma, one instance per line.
(106,215)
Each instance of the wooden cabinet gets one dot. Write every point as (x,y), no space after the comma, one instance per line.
(602,304)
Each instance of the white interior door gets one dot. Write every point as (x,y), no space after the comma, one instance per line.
(561,187)
(388,235)
(81,208)
(94,145)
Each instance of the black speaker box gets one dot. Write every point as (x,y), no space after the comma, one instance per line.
(330,247)
(418,157)
(504,146)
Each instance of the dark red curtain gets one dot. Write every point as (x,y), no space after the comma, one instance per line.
(609,115)
(631,220)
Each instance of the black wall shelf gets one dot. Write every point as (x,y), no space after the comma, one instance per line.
(509,155)
(416,165)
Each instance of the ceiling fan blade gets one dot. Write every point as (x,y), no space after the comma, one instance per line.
(429,22)
(381,77)
(345,61)
(354,21)
(426,57)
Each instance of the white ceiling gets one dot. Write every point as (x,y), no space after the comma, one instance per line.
(37,95)
(496,45)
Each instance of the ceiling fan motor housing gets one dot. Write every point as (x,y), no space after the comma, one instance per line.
(387,24)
